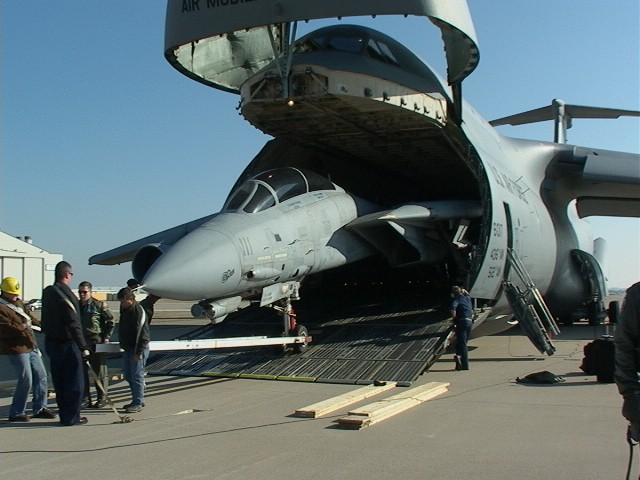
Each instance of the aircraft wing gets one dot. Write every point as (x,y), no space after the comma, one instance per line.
(604,183)
(125,253)
(420,214)
(413,233)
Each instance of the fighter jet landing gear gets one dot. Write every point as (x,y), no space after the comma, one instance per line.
(277,296)
(291,327)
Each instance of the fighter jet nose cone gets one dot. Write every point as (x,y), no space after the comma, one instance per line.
(203,264)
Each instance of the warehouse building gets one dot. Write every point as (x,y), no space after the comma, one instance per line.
(32,266)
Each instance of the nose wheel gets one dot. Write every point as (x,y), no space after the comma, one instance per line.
(292,328)
(301,331)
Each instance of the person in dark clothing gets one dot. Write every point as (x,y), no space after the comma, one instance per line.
(148,303)
(97,325)
(627,361)
(18,342)
(462,317)
(65,344)
(134,340)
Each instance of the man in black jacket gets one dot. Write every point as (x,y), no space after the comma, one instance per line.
(134,336)
(65,344)
(627,343)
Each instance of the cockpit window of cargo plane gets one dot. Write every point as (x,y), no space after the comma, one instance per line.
(358,44)
(369,44)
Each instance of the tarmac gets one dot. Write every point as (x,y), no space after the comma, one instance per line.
(486,426)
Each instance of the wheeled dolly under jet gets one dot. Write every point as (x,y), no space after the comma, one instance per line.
(277,296)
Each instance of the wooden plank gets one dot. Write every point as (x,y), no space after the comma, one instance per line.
(414,395)
(340,401)
(383,409)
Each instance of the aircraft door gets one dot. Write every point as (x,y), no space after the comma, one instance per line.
(488,283)
(527,303)
(510,235)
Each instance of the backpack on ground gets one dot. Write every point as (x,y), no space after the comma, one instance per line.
(599,360)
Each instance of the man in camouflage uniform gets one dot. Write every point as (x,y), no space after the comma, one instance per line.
(97,325)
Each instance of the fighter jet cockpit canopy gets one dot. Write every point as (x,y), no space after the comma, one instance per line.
(274,186)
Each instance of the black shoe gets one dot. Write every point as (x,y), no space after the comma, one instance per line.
(129,405)
(19,418)
(86,404)
(456,358)
(100,403)
(45,413)
(134,408)
(82,421)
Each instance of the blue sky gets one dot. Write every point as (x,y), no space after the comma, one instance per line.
(103,142)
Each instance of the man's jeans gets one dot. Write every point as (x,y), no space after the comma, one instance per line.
(463,331)
(31,374)
(133,370)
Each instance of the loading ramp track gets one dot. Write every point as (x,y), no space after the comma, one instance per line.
(375,342)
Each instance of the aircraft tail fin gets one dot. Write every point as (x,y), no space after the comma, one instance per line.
(562,114)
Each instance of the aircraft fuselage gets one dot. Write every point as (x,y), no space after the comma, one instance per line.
(417,178)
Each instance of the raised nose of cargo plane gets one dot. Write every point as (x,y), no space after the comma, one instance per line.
(203,264)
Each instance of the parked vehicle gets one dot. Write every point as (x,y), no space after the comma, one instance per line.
(35,304)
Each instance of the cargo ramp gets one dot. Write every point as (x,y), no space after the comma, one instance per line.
(366,342)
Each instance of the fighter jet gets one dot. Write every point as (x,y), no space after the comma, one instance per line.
(375,156)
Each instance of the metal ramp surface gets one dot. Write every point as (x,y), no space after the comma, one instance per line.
(374,342)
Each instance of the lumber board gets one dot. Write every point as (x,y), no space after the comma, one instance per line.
(383,409)
(334,403)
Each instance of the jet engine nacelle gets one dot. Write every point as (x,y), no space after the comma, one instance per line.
(145,257)
(216,310)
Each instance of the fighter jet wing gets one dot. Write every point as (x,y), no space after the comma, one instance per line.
(125,253)
(410,234)
(420,214)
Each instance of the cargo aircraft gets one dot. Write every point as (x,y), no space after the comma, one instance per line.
(375,157)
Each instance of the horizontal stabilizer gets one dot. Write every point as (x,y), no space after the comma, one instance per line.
(574,111)
(562,114)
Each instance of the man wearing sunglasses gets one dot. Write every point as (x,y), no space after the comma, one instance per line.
(97,325)
(65,344)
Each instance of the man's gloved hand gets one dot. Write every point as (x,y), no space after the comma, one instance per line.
(631,408)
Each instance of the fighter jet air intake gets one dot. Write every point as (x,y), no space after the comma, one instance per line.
(377,165)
